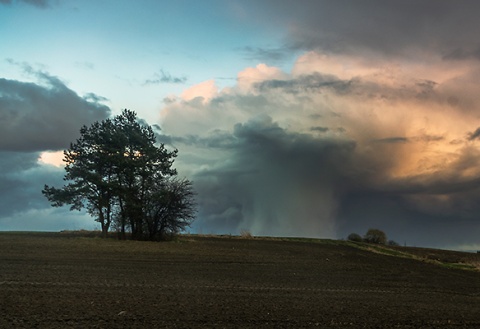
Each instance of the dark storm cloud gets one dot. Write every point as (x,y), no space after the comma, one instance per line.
(11,162)
(47,116)
(307,83)
(428,138)
(438,208)
(392,140)
(356,145)
(462,53)
(21,182)
(422,221)
(474,135)
(318,83)
(276,182)
(344,173)
(426,89)
(216,139)
(387,27)
(320,129)
(280,182)
(164,77)
(36,117)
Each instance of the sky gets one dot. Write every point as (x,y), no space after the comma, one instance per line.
(309,118)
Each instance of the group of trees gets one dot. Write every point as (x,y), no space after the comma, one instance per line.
(117,172)
(375,236)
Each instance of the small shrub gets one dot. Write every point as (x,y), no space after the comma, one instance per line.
(375,236)
(393,243)
(355,237)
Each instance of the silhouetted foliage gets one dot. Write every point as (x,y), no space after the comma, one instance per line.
(170,207)
(375,236)
(120,176)
(355,237)
(393,243)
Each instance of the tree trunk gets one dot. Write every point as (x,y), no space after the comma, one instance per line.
(103,224)
(104,231)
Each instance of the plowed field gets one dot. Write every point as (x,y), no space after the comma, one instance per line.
(56,281)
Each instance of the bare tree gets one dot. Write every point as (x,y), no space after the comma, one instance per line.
(170,208)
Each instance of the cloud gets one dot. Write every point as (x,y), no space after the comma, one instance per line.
(253,76)
(474,135)
(48,219)
(401,28)
(164,77)
(390,140)
(463,53)
(44,116)
(52,158)
(36,117)
(266,55)
(314,81)
(276,182)
(21,182)
(205,90)
(36,3)
(320,129)
(324,154)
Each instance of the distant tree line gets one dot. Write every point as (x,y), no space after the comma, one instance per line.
(117,172)
(375,236)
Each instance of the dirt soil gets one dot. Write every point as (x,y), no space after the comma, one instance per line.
(59,281)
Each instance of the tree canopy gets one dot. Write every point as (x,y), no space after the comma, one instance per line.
(117,172)
(375,236)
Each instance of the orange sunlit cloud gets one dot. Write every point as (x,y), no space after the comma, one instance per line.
(52,158)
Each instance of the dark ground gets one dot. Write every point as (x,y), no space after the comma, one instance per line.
(60,281)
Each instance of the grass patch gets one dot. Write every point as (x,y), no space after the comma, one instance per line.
(460,266)
(379,249)
(395,252)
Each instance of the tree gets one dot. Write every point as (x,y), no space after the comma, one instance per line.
(140,164)
(393,243)
(375,236)
(116,171)
(354,237)
(170,207)
(90,170)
